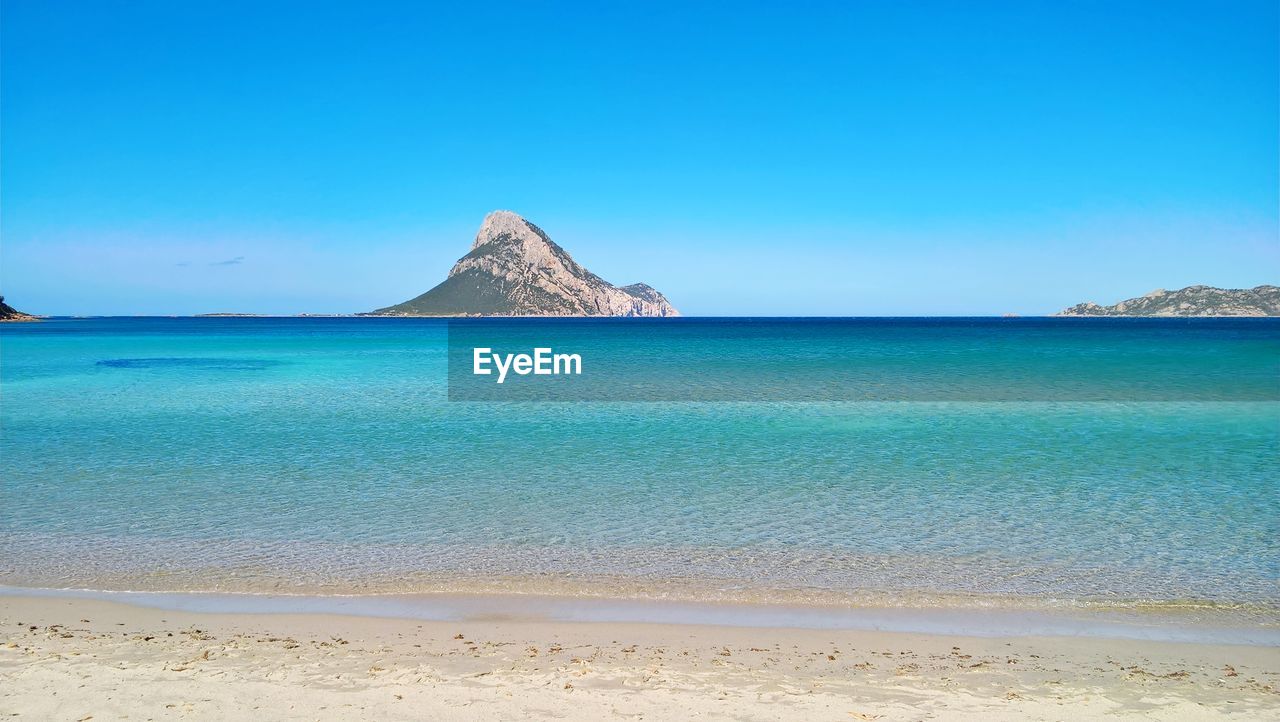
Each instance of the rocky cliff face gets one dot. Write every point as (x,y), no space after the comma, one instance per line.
(514,269)
(1190,301)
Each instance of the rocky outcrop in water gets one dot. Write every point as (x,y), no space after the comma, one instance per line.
(515,269)
(1190,301)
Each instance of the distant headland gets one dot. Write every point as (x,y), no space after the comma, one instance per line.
(11,314)
(1190,301)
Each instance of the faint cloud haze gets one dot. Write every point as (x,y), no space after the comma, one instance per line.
(229,262)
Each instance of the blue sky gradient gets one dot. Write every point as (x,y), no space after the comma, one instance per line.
(873,158)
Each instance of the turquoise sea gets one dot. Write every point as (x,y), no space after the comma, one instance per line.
(1119,463)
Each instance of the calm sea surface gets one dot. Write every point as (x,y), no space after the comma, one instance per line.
(324,456)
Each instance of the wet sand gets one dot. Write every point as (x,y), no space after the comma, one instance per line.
(80,659)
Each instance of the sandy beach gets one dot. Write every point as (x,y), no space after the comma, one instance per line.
(82,659)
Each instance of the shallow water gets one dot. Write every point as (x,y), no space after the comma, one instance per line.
(323,455)
(524,607)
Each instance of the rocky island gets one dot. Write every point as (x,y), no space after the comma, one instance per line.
(1190,301)
(515,269)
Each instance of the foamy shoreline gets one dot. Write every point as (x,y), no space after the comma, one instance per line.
(67,657)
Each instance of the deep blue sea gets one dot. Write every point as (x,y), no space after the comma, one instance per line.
(1029,462)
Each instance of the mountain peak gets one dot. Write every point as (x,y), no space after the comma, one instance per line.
(498,224)
(515,269)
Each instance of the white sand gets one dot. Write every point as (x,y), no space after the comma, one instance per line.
(78,659)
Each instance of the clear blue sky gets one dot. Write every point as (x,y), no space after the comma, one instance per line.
(846,158)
